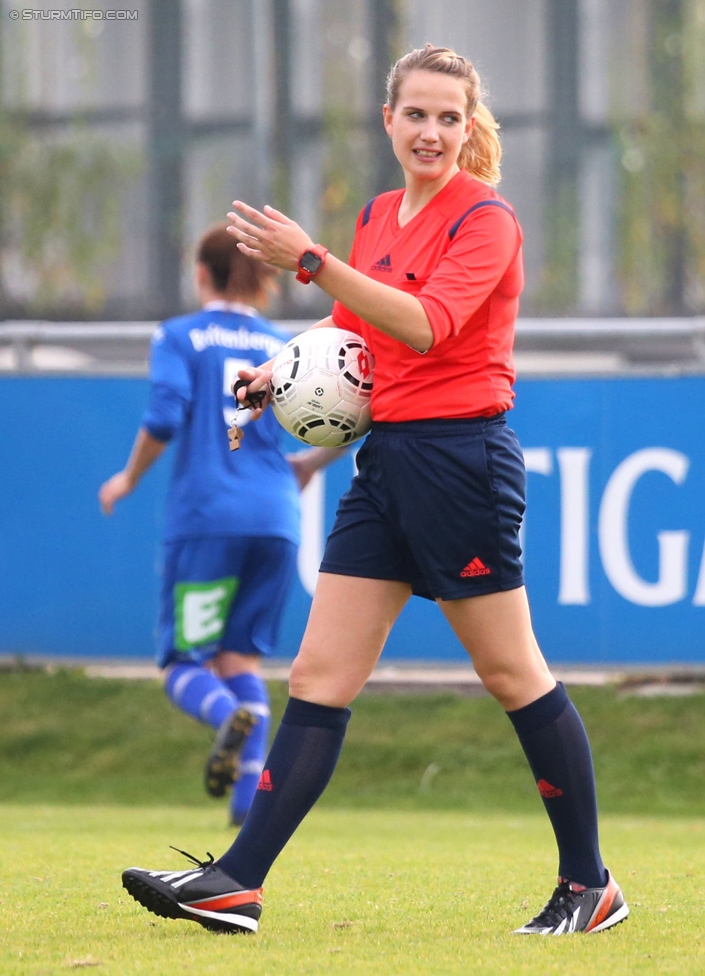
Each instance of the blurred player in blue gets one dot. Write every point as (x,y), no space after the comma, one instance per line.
(232,517)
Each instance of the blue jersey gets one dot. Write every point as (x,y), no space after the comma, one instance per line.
(214,491)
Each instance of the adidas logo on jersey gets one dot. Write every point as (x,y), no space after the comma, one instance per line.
(384,264)
(476,567)
(265,781)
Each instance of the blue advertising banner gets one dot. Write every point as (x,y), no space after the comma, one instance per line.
(614,537)
(615,527)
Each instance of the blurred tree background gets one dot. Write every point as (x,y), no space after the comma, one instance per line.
(662,155)
(122,139)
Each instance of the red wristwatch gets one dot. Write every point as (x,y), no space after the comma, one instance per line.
(311,262)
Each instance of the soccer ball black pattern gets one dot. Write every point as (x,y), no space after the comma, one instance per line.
(321,386)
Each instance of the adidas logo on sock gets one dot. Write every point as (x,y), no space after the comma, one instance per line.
(265,781)
(548,791)
(476,567)
(384,264)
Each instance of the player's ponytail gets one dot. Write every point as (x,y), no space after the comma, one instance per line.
(482,153)
(234,275)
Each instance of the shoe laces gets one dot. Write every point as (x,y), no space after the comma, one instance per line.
(559,906)
(205,865)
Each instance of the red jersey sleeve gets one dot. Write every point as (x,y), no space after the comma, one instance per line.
(482,249)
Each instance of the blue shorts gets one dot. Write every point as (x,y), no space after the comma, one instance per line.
(223,593)
(437,504)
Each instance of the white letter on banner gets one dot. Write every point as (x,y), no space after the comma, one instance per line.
(613,536)
(312,514)
(574,464)
(538,460)
(699,598)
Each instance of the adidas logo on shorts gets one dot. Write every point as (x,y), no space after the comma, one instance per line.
(476,567)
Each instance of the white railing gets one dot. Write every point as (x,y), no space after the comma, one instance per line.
(546,346)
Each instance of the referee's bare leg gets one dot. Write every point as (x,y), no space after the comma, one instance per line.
(347,628)
(495,629)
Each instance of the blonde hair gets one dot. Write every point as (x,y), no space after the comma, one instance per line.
(482,153)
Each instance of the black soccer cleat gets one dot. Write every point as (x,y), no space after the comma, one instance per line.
(223,763)
(204,894)
(573,908)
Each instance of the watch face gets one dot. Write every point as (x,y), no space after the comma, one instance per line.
(310,262)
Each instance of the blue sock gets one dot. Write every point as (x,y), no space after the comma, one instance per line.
(251,691)
(298,768)
(555,743)
(200,694)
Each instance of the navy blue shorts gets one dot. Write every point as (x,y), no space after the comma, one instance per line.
(224,593)
(437,504)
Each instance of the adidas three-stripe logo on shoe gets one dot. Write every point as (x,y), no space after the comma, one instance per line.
(205,894)
(574,908)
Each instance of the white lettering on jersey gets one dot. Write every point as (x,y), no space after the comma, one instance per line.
(242,338)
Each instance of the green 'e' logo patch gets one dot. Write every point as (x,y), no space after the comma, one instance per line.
(201,610)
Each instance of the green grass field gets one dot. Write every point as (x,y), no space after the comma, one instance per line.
(429,847)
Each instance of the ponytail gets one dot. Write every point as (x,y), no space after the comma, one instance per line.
(482,153)
(235,276)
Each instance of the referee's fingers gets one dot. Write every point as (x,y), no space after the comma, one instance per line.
(253,215)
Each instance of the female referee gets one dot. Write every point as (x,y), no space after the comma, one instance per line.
(433,286)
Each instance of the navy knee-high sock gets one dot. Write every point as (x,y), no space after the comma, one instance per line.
(300,763)
(555,742)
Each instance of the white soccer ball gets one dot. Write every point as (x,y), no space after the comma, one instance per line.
(321,386)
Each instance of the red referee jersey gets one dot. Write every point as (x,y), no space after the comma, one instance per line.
(461,257)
